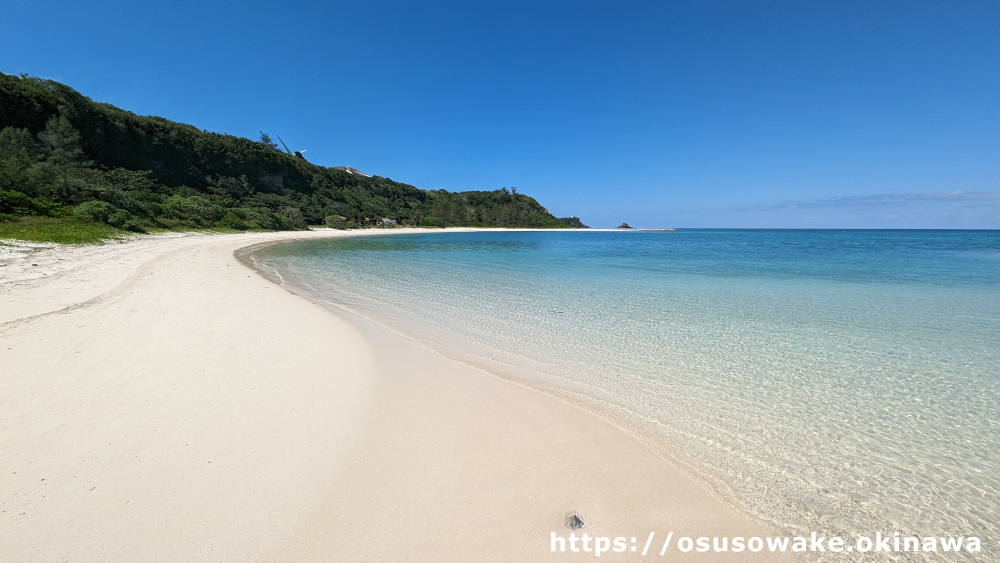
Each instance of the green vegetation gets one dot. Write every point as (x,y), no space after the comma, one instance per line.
(573,222)
(84,165)
(61,230)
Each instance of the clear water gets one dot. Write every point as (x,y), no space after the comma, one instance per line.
(845,382)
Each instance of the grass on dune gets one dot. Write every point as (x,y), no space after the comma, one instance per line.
(62,230)
(71,230)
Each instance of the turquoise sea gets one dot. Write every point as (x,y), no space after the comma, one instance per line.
(846,382)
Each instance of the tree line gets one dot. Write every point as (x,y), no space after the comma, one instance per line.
(63,155)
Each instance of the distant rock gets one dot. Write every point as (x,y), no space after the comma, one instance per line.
(624,226)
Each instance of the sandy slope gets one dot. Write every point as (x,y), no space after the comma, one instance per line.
(161,402)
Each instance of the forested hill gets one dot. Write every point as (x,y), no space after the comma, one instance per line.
(62,154)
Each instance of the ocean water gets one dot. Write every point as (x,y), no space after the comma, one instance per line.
(846,382)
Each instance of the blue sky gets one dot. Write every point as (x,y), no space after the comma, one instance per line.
(685,114)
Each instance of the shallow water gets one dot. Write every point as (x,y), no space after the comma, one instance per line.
(845,382)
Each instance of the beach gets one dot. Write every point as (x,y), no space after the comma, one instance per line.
(161,401)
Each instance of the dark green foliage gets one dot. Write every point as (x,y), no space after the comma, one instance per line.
(104,212)
(18,203)
(573,222)
(95,211)
(58,149)
(499,208)
(335,222)
(121,219)
(265,140)
(232,221)
(432,222)
(63,157)
(199,209)
(127,180)
(19,152)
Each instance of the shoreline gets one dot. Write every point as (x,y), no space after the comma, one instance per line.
(365,446)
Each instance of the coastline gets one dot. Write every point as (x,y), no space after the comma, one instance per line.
(166,402)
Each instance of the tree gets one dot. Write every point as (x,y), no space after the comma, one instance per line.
(179,175)
(127,180)
(18,159)
(265,140)
(63,155)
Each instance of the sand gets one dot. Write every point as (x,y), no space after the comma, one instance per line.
(160,401)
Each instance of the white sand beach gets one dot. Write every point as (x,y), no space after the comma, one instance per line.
(160,401)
